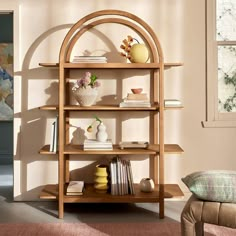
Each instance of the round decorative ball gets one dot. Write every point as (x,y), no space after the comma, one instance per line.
(147,185)
(139,53)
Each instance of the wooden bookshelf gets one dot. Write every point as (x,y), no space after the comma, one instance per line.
(50,192)
(156,152)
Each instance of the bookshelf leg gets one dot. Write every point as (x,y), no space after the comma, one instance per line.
(161,202)
(61,210)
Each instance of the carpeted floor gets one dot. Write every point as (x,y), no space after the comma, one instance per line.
(104,229)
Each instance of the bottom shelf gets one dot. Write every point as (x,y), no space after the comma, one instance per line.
(90,195)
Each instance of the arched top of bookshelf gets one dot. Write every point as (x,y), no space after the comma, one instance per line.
(121,17)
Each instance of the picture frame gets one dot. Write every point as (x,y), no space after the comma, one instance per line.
(6,81)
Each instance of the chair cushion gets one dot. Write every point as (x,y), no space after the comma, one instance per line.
(215,185)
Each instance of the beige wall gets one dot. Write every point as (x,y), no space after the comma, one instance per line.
(180,25)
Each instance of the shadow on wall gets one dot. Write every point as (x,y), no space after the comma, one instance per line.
(33,133)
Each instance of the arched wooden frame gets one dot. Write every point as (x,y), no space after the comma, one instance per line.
(71,37)
(140,31)
(151,39)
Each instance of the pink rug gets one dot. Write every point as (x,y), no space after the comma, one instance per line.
(104,229)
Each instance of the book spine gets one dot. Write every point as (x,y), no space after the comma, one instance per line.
(55,146)
(52,137)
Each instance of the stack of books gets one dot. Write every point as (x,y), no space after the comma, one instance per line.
(54,136)
(136,100)
(89,59)
(93,144)
(75,188)
(172,103)
(121,177)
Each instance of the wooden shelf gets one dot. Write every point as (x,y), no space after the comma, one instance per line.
(107,108)
(112,65)
(152,150)
(49,107)
(101,108)
(173,108)
(90,195)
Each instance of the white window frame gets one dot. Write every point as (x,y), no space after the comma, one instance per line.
(213,117)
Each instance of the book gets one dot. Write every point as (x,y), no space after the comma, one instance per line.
(89,59)
(121,178)
(93,144)
(75,187)
(135,104)
(51,148)
(140,96)
(131,181)
(172,102)
(55,136)
(74,194)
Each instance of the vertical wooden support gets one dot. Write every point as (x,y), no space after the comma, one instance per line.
(67,127)
(61,180)
(161,141)
(155,125)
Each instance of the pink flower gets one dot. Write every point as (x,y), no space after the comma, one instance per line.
(96,84)
(87,80)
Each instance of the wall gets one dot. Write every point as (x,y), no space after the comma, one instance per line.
(180,26)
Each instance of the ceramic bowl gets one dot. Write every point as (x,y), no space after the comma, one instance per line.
(136,90)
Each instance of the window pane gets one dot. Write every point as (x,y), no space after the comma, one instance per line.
(226,20)
(227,78)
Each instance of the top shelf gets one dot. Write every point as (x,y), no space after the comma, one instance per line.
(112,65)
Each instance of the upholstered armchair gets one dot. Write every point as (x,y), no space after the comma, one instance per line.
(213,201)
(197,212)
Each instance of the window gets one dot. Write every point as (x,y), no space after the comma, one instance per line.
(221,63)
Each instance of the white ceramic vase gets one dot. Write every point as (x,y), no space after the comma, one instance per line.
(86,96)
(101,134)
(147,185)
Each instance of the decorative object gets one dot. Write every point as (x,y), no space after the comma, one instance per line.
(85,89)
(101,134)
(213,185)
(101,179)
(133,144)
(6,81)
(90,127)
(136,53)
(136,90)
(147,185)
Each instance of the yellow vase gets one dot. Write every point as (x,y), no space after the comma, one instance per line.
(101,180)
